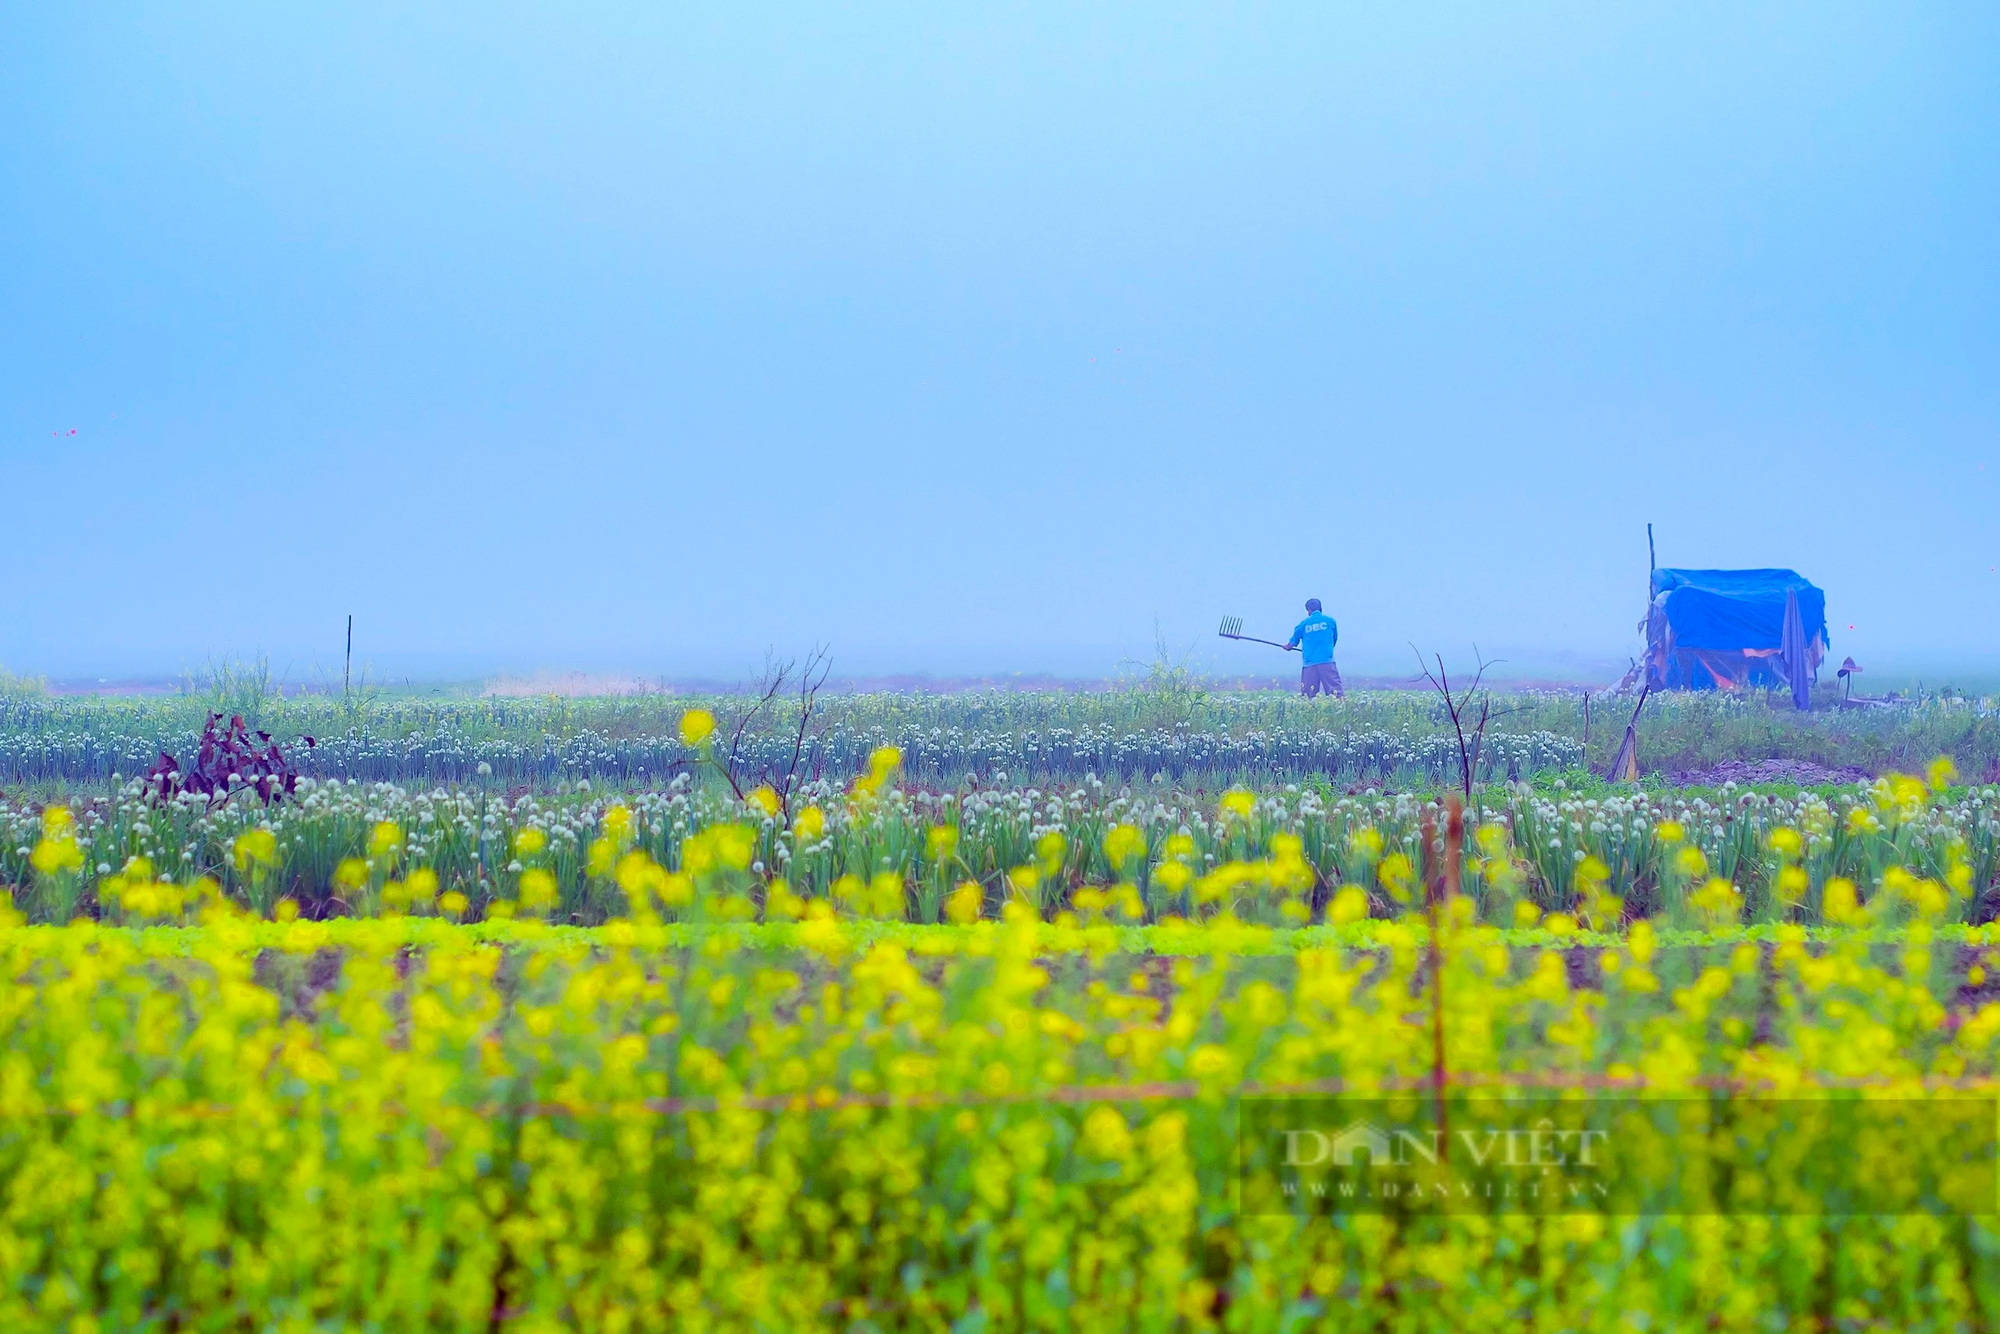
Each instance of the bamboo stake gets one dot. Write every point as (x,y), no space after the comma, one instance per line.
(1440,896)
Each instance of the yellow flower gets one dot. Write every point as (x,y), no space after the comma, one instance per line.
(384,839)
(1288,868)
(1024,880)
(1689,862)
(1928,897)
(882,765)
(697,725)
(1959,876)
(1899,794)
(452,903)
(351,874)
(780,904)
(54,855)
(809,824)
(734,845)
(886,898)
(1105,1133)
(254,847)
(1350,904)
(1786,841)
(639,875)
(1669,831)
(421,885)
(57,850)
(725,846)
(1207,1060)
(941,842)
(618,825)
(763,799)
(1941,772)
(1718,899)
(1366,843)
(538,889)
(529,841)
(1050,849)
(1238,803)
(1124,843)
(1398,876)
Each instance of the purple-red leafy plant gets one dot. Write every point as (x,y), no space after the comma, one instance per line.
(230,761)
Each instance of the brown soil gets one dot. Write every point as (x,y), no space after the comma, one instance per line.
(1803,773)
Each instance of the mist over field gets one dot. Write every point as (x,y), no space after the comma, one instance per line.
(973,344)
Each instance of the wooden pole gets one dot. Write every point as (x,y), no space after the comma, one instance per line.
(1440,896)
(1652,567)
(1454,844)
(1625,764)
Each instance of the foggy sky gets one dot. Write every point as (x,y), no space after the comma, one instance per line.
(978,339)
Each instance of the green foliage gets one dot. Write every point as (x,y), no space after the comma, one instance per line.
(22,688)
(1166,726)
(1172,692)
(1186,855)
(381,1125)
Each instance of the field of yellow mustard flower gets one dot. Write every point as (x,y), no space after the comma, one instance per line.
(384,1059)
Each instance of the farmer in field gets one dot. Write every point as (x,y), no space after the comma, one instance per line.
(1315,637)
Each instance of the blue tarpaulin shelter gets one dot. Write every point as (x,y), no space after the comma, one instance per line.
(1735,629)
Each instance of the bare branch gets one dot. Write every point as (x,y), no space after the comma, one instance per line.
(770,683)
(818,663)
(1456,704)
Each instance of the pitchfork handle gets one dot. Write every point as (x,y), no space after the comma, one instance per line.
(1289,648)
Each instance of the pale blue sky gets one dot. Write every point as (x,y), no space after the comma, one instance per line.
(975,338)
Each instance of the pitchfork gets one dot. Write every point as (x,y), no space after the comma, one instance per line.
(1232,628)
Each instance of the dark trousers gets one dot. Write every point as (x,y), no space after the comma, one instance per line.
(1321,676)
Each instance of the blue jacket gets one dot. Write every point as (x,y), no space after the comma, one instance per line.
(1315,637)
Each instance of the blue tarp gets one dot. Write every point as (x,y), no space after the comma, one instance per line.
(1736,609)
